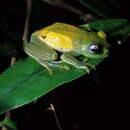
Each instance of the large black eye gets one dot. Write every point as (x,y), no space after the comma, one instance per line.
(95,48)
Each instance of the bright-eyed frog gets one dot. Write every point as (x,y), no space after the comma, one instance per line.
(64,43)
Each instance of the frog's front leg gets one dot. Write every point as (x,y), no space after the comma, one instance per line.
(70,59)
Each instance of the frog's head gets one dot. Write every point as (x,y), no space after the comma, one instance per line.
(96,46)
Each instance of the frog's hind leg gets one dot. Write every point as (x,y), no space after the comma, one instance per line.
(45,64)
(56,64)
(41,53)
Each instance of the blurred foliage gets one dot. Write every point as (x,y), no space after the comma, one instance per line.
(113,27)
(99,7)
(124,31)
(8,124)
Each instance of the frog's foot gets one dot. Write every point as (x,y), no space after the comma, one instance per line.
(48,68)
(88,67)
(45,64)
(91,66)
(59,64)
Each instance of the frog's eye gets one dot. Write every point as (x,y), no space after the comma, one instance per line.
(94,48)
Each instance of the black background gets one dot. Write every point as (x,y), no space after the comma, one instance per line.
(98,100)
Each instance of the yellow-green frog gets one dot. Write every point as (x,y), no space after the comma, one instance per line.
(62,42)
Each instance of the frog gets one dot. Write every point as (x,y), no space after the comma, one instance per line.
(63,43)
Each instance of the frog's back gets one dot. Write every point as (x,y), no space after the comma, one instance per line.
(59,28)
(62,37)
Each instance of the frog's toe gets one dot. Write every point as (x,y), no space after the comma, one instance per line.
(64,66)
(91,66)
(46,65)
(67,67)
(50,71)
(88,68)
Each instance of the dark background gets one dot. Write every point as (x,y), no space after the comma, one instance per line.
(98,100)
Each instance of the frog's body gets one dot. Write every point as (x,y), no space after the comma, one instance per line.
(69,40)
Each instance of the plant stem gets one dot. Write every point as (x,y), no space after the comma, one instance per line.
(27,19)
(62,4)
(51,108)
(13,61)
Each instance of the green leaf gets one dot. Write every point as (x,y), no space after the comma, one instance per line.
(106,25)
(27,80)
(122,32)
